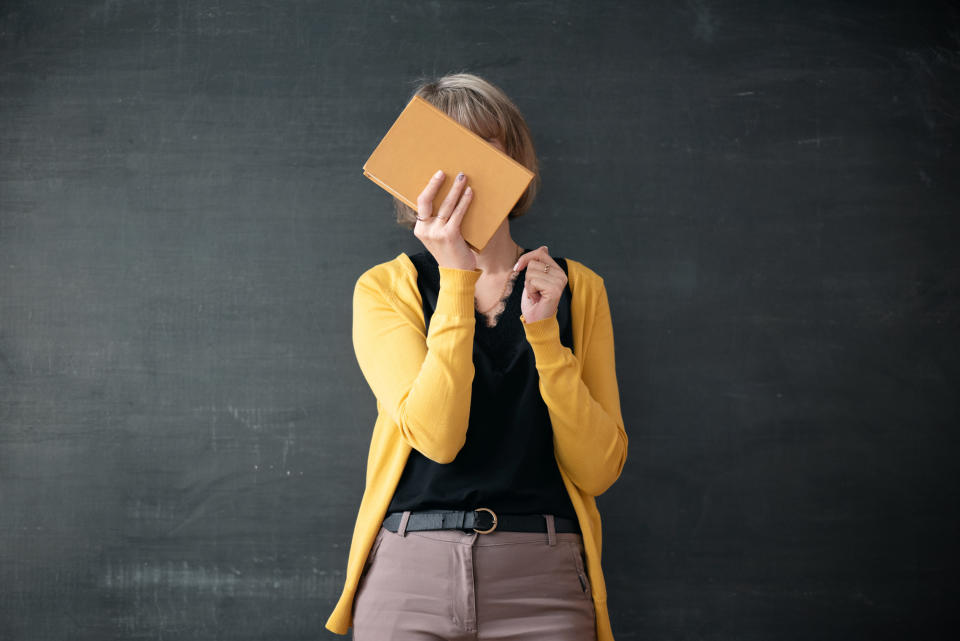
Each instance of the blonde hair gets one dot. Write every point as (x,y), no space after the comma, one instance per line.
(485,110)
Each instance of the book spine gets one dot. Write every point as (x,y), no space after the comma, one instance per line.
(393,191)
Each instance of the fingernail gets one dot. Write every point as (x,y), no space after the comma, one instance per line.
(460,176)
(438,174)
(515,265)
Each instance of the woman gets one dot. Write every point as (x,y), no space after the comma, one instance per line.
(498,422)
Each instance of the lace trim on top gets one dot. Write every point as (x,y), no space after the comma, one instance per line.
(501,306)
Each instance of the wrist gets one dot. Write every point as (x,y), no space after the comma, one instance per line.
(457,288)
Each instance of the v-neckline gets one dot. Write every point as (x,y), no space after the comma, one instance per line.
(501,305)
(505,301)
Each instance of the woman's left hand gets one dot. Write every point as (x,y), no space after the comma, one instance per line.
(541,289)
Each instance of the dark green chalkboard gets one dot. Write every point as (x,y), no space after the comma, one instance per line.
(769,189)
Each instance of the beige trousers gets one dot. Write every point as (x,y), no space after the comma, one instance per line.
(451,585)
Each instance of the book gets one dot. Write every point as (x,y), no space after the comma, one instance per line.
(424,139)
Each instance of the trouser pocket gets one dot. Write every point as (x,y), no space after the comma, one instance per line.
(579,565)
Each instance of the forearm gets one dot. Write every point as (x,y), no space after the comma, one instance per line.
(589,439)
(436,412)
(424,383)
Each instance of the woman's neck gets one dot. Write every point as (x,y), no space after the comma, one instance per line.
(500,253)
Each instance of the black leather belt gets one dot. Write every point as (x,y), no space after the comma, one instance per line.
(482,520)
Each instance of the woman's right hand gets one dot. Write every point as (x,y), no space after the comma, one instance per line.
(440,233)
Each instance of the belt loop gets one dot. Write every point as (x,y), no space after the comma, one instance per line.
(551,530)
(402,530)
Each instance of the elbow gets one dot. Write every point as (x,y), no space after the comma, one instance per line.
(443,453)
(594,485)
(443,456)
(609,472)
(599,487)
(438,449)
(618,460)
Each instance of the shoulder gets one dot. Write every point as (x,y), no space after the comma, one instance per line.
(395,279)
(388,270)
(583,278)
(588,291)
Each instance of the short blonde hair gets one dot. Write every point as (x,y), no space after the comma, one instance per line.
(485,110)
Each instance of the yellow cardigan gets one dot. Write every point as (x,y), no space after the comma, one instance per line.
(422,385)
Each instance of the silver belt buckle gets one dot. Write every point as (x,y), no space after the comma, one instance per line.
(493,514)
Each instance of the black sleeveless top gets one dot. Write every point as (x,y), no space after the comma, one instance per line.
(507,463)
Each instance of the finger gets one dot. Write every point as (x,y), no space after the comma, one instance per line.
(538,281)
(535,290)
(537,266)
(540,253)
(425,199)
(531,264)
(459,182)
(457,216)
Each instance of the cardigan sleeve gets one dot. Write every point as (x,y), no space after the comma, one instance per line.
(423,382)
(582,398)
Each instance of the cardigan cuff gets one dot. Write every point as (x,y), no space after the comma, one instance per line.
(542,333)
(457,289)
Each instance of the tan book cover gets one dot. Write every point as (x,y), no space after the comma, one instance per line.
(424,139)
